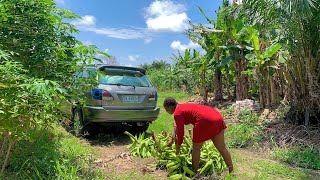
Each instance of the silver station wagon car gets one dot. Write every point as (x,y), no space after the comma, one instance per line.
(124,96)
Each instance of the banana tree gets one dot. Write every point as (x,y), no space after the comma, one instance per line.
(264,65)
(201,67)
(182,67)
(209,41)
(232,41)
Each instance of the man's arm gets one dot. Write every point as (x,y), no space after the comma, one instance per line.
(179,120)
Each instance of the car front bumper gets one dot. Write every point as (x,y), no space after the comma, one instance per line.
(100,115)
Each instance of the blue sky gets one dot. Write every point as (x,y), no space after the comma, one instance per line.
(138,31)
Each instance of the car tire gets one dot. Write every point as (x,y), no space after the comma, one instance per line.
(77,123)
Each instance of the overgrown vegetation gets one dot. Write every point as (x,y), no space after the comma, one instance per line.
(38,57)
(247,133)
(56,154)
(306,157)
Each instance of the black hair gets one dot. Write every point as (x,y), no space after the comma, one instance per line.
(170,102)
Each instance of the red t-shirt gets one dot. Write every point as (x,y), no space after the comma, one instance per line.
(207,122)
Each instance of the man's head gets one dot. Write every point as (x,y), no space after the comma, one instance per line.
(170,104)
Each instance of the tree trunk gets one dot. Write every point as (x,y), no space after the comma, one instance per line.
(242,85)
(205,89)
(217,85)
(261,93)
(273,92)
(11,142)
(217,82)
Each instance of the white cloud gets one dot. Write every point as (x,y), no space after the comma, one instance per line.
(176,45)
(86,20)
(88,23)
(118,33)
(166,16)
(107,50)
(133,57)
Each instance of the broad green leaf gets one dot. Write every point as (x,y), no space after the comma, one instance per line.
(240,25)
(186,54)
(255,41)
(104,53)
(271,51)
(249,48)
(211,21)
(249,56)
(281,59)
(226,61)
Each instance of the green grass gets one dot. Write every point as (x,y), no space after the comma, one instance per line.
(245,134)
(306,157)
(63,157)
(134,174)
(165,121)
(249,165)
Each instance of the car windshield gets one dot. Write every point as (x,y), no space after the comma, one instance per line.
(123,78)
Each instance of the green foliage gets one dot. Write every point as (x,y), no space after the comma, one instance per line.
(306,157)
(38,58)
(54,155)
(246,133)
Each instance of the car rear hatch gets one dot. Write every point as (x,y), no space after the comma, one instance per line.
(126,89)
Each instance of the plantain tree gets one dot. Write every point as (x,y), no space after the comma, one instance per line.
(263,64)
(182,68)
(299,24)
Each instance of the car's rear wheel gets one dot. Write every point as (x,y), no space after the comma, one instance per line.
(77,122)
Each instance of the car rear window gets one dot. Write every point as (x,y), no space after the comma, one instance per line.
(122,77)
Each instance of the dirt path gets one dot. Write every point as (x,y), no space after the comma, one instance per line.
(115,161)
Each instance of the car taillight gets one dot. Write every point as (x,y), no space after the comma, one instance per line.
(153,96)
(100,94)
(106,95)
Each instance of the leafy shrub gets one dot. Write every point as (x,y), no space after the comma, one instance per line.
(38,57)
(246,133)
(243,135)
(306,157)
(54,155)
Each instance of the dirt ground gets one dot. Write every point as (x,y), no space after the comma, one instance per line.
(113,158)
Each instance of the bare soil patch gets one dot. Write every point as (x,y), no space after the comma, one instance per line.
(114,159)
